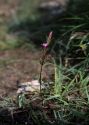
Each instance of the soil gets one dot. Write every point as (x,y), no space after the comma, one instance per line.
(19,64)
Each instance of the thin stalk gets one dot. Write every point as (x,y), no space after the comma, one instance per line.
(41,68)
(40,76)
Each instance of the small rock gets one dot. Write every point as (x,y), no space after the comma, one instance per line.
(32,86)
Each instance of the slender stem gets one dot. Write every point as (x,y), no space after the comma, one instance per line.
(40,77)
(41,68)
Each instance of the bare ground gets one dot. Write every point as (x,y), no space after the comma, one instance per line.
(23,65)
(18,64)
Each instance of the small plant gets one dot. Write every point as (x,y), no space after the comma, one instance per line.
(21,100)
(46,51)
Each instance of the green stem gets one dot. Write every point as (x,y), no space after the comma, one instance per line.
(40,77)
